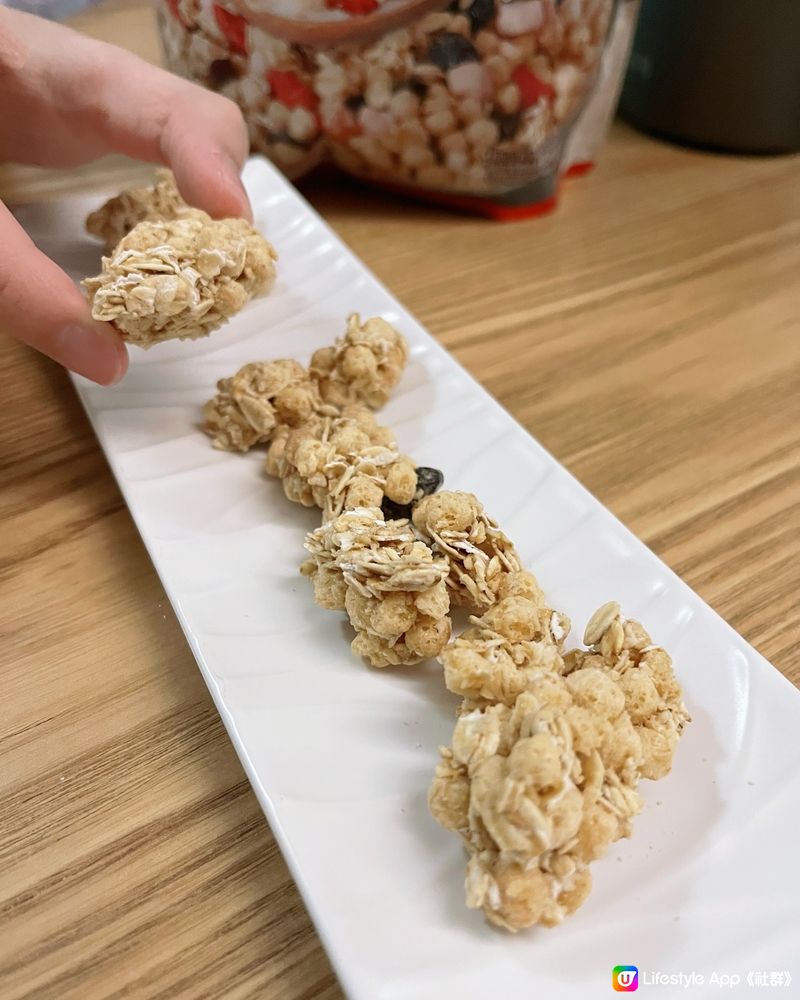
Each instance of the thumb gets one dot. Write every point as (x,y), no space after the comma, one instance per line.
(41,306)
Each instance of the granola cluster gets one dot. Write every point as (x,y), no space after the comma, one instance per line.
(363,366)
(340,463)
(120,214)
(535,793)
(390,583)
(266,400)
(479,554)
(261,396)
(180,278)
(549,747)
(644,673)
(502,652)
(548,750)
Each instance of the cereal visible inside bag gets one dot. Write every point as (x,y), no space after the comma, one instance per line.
(476,98)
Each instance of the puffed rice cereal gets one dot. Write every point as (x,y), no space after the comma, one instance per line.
(479,554)
(653,697)
(340,463)
(116,218)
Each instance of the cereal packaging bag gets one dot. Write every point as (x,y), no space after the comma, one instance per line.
(471,102)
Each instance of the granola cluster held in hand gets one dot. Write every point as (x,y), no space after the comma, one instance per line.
(157,202)
(176,273)
(546,756)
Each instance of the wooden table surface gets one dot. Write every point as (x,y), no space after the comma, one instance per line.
(648,334)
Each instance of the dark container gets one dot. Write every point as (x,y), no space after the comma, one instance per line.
(722,74)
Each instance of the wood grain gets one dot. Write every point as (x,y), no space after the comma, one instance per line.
(648,334)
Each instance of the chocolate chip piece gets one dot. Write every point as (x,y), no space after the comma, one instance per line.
(395,511)
(417,87)
(480,13)
(428,480)
(354,103)
(508,125)
(220,72)
(306,57)
(447,49)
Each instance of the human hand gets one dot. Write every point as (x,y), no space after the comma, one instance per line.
(69,100)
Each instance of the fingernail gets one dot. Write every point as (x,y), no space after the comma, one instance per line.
(122,363)
(94,351)
(233,174)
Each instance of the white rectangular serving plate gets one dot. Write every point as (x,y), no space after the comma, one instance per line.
(340,756)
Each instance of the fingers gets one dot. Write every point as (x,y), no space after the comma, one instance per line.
(155,116)
(207,162)
(41,306)
(152,115)
(77,99)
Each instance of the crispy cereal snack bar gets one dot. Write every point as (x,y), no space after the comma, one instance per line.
(180,278)
(390,583)
(479,554)
(119,215)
